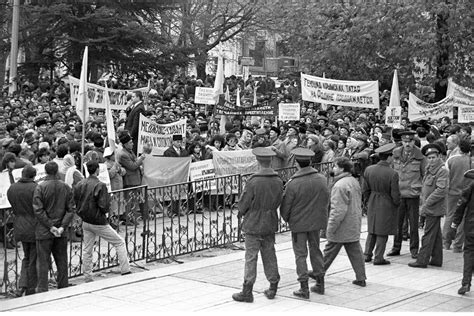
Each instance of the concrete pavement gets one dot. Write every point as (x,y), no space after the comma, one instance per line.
(206,285)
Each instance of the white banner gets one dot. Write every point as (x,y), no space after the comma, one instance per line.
(96,95)
(159,136)
(205,95)
(462,96)
(201,174)
(393,117)
(234,162)
(421,110)
(364,94)
(4,186)
(40,173)
(466,114)
(289,111)
(103,175)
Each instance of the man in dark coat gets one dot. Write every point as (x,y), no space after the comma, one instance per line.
(258,206)
(465,209)
(304,207)
(381,189)
(133,117)
(176,149)
(20,196)
(54,209)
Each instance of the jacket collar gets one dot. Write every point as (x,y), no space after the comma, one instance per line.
(433,169)
(383,163)
(50,177)
(265,172)
(26,180)
(342,175)
(304,171)
(416,153)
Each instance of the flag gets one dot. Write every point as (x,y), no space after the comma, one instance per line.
(109,120)
(218,86)
(237,100)
(393,113)
(81,108)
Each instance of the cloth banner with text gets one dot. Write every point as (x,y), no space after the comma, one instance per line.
(266,108)
(463,96)
(233,162)
(364,94)
(96,95)
(202,174)
(163,171)
(159,136)
(40,173)
(289,111)
(421,110)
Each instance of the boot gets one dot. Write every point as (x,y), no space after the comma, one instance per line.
(303,292)
(465,288)
(319,286)
(246,294)
(271,291)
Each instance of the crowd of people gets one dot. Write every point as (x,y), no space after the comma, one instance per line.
(426,158)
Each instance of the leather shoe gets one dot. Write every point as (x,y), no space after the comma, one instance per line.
(464,289)
(381,262)
(368,258)
(415,264)
(435,264)
(393,252)
(359,283)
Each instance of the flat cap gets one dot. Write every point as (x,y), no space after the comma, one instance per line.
(431,148)
(385,149)
(407,135)
(261,131)
(302,153)
(263,152)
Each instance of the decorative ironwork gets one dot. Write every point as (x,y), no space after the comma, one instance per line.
(156,223)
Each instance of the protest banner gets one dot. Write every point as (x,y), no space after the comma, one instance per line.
(363,94)
(234,162)
(4,186)
(393,117)
(202,174)
(462,96)
(96,95)
(40,173)
(205,95)
(421,110)
(103,175)
(289,111)
(159,136)
(267,108)
(163,171)
(465,114)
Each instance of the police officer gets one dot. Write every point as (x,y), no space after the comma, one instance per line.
(434,193)
(304,207)
(381,189)
(258,206)
(410,164)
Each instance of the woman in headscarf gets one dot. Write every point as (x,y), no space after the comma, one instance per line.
(73,176)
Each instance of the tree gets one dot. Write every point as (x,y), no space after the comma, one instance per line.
(4,43)
(350,40)
(202,25)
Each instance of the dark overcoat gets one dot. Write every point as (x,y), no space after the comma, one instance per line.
(381,187)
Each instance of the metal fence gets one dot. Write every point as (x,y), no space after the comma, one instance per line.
(156,223)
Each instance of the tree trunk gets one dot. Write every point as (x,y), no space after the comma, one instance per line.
(3,60)
(201,61)
(442,63)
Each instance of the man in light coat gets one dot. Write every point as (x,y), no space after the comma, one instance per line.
(345,220)
(304,207)
(381,189)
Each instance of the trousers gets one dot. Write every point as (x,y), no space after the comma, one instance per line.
(265,244)
(301,241)
(409,207)
(28,275)
(354,252)
(468,259)
(379,242)
(458,241)
(107,233)
(58,248)
(432,242)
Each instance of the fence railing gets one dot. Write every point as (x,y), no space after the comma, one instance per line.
(156,223)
